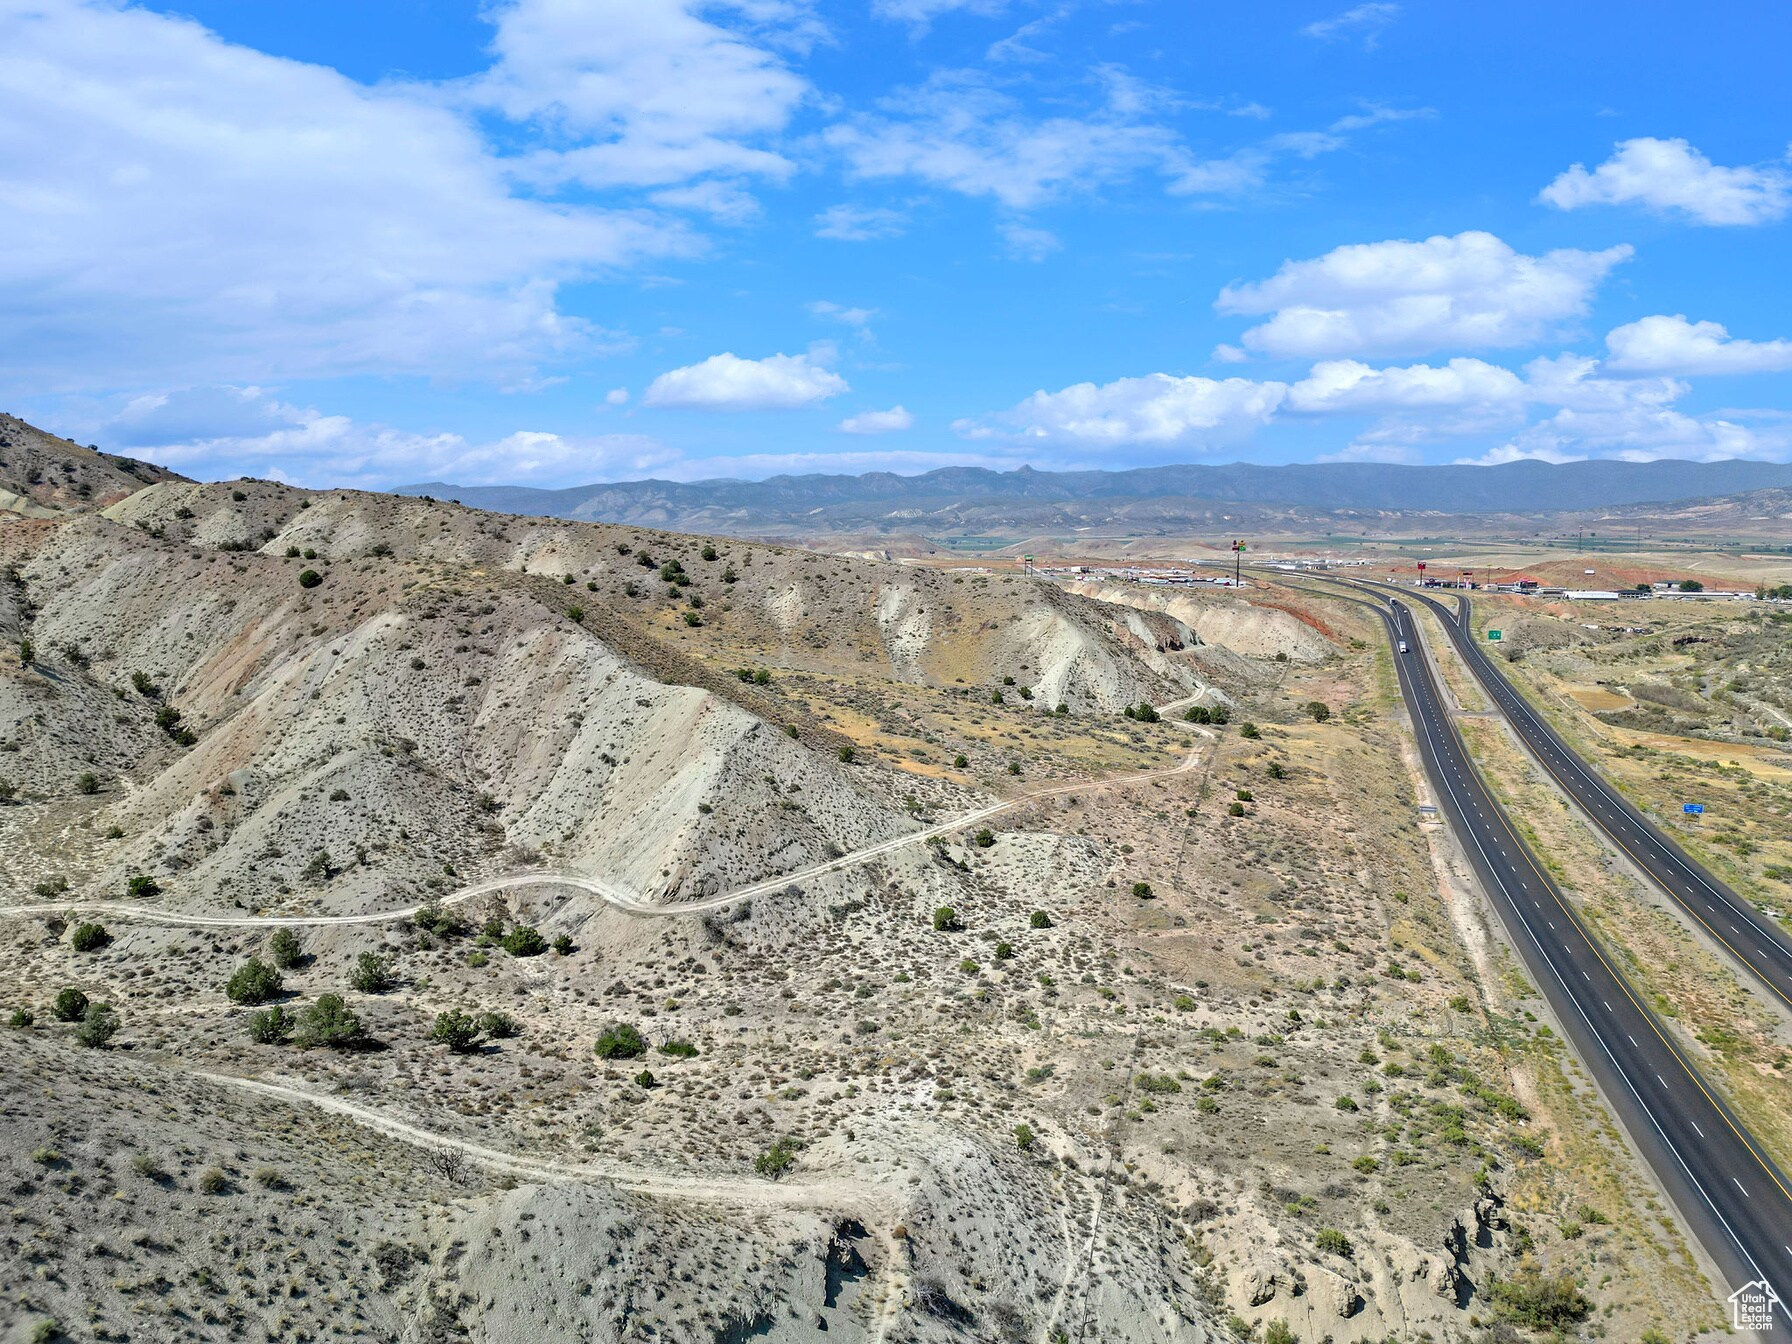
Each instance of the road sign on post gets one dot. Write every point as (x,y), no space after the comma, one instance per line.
(1694,809)
(1495,636)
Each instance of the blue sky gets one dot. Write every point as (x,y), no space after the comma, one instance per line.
(545,242)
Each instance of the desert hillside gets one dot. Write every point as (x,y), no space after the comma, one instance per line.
(41,474)
(426,924)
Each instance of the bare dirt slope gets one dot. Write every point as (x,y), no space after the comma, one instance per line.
(41,474)
(1161,1054)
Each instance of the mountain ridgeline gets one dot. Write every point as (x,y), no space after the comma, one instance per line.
(1157,497)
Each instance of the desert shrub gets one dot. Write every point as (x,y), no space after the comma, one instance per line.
(846,754)
(213,1181)
(284,948)
(523,941)
(1039,920)
(88,782)
(1278,1332)
(678,1049)
(985,838)
(434,919)
(563,944)
(1142,890)
(1023,1136)
(141,886)
(70,1004)
(330,1022)
(1330,1241)
(1277,770)
(89,937)
(945,919)
(646,1080)
(51,887)
(1538,1301)
(309,578)
(271,1026)
(253,982)
(21,1018)
(1235,810)
(1004,951)
(777,1159)
(98,1025)
(1245,796)
(620,1040)
(457,1030)
(1162,1084)
(1318,709)
(373,974)
(960,761)
(499,1026)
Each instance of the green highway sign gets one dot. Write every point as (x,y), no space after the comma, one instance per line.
(1495,636)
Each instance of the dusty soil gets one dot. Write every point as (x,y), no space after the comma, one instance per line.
(1175,1058)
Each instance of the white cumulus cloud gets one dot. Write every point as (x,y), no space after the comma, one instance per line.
(1403,297)
(211,430)
(1673,345)
(1672,176)
(837,312)
(860,223)
(961,132)
(1342,386)
(1362,21)
(647,92)
(1636,435)
(877,422)
(726,382)
(1158,410)
(185,208)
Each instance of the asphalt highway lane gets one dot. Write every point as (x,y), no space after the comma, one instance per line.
(1755,941)
(1728,1190)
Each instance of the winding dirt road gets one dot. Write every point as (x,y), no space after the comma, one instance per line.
(614,893)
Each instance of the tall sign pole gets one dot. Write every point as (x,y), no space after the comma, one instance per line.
(1237,563)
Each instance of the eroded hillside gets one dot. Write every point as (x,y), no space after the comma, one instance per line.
(1188,1035)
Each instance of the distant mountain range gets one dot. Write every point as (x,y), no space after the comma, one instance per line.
(955,499)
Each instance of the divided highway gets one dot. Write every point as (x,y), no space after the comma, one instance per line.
(1727,1188)
(1755,941)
